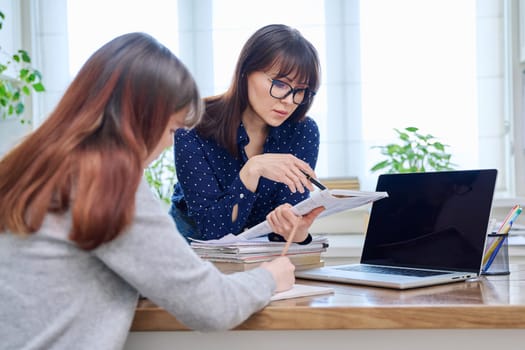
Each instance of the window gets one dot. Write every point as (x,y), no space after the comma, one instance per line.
(439,65)
(389,65)
(93,23)
(231,31)
(419,68)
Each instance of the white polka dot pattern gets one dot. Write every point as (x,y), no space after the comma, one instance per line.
(210,186)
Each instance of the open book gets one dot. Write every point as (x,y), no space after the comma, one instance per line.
(333,201)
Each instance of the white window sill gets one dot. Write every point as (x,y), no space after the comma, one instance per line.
(507,202)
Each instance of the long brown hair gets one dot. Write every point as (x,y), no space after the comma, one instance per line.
(89,154)
(272,45)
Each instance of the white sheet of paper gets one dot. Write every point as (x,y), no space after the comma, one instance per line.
(302,290)
(334,201)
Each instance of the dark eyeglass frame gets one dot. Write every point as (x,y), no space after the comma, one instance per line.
(308,94)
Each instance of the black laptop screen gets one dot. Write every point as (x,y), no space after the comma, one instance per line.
(431,220)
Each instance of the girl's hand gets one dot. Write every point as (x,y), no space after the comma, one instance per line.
(282,271)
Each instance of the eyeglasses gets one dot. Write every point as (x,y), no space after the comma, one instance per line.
(281,90)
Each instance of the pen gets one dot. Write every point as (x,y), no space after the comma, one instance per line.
(491,249)
(314,181)
(508,217)
(290,239)
(491,253)
(495,253)
(501,230)
(513,218)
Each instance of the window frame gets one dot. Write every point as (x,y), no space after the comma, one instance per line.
(196,38)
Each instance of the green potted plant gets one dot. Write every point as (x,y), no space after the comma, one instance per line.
(18,79)
(415,152)
(161,175)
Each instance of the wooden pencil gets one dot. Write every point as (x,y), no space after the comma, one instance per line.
(290,239)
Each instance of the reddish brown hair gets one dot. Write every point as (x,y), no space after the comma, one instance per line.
(88,156)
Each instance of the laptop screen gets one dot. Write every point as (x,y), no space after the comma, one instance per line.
(433,220)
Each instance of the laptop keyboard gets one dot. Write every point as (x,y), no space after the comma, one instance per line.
(391,270)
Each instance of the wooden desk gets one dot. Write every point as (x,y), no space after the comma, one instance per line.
(459,309)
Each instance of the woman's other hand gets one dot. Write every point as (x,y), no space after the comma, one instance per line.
(284,168)
(282,220)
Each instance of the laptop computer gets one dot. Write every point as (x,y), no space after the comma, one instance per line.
(431,229)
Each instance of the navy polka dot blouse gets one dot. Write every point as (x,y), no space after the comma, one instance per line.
(209,185)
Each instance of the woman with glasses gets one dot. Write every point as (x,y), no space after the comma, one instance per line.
(250,157)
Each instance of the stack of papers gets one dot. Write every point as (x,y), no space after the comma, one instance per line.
(255,246)
(248,254)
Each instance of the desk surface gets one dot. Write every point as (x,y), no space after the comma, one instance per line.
(490,302)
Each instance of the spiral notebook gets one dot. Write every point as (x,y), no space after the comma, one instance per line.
(431,229)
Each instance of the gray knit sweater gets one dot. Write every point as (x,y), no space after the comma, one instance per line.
(56,296)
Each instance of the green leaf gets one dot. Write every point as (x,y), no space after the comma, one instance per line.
(380,165)
(424,138)
(439,146)
(23,73)
(31,78)
(26,90)
(25,56)
(404,136)
(37,74)
(38,87)
(392,149)
(19,109)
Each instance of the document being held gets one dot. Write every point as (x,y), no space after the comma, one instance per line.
(334,201)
